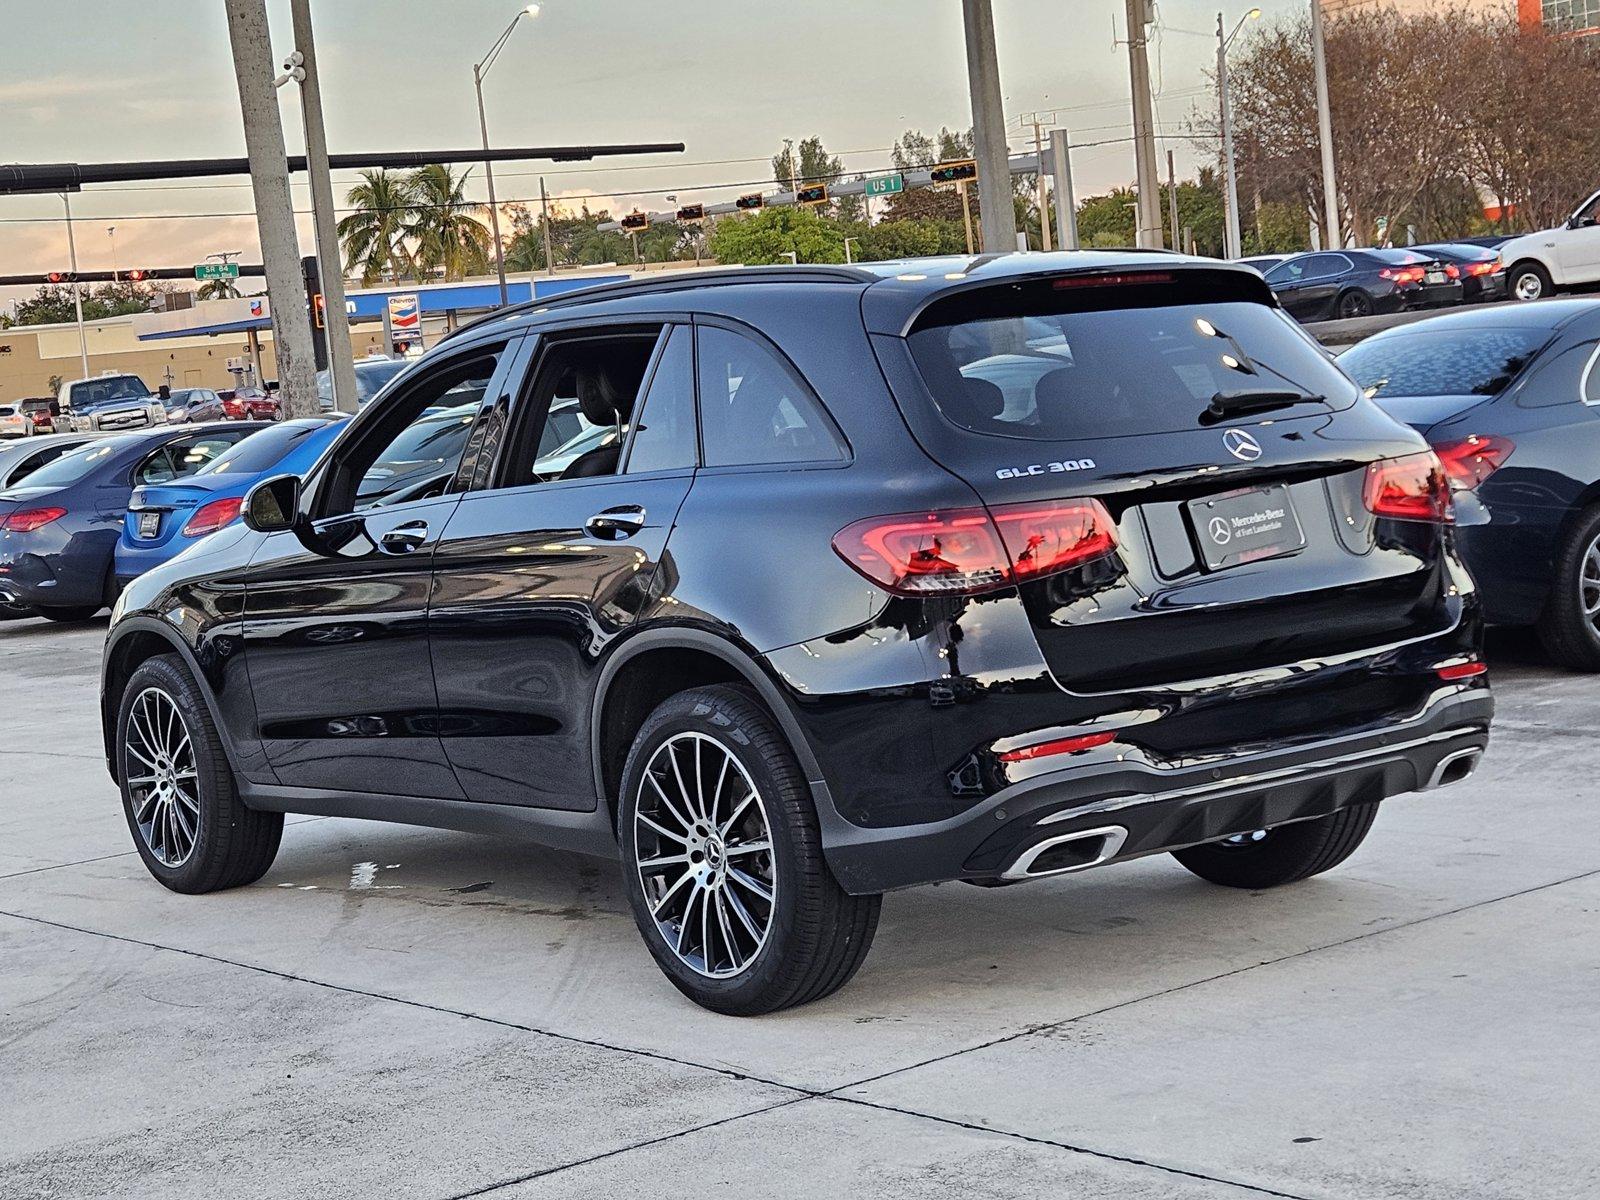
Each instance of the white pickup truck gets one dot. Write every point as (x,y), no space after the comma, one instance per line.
(1552,260)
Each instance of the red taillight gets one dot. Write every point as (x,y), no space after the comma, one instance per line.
(1129,280)
(1453,271)
(1413,488)
(1071,745)
(209,518)
(1402,275)
(966,551)
(1488,267)
(1473,459)
(1463,670)
(30,519)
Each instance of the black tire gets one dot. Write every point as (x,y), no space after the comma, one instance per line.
(71,614)
(1286,854)
(1354,303)
(1529,281)
(816,934)
(1569,627)
(233,845)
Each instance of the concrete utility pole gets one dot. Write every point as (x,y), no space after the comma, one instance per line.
(1038,179)
(330,270)
(1231,237)
(77,295)
(269,182)
(1172,198)
(549,242)
(997,217)
(1066,202)
(1147,214)
(1330,186)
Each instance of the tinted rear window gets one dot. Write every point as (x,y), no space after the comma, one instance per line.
(259,452)
(1109,372)
(76,464)
(1442,362)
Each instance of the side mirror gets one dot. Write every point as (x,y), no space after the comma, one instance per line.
(273,505)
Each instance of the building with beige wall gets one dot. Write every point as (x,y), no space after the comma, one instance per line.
(1558,16)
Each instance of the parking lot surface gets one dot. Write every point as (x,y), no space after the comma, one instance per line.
(401,1012)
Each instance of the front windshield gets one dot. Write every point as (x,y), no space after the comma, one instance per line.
(260,451)
(91,392)
(1442,362)
(77,463)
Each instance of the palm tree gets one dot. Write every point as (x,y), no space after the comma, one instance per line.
(374,235)
(219,289)
(448,238)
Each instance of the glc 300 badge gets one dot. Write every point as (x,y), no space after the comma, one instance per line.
(1049,468)
(1241,445)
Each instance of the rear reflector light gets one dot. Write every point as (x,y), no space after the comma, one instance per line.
(1070,745)
(1413,488)
(209,518)
(1466,670)
(30,519)
(1473,459)
(966,551)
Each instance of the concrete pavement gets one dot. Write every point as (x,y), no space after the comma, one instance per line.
(410,1013)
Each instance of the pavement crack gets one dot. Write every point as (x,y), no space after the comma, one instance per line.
(594,1043)
(655,1141)
(1103,1155)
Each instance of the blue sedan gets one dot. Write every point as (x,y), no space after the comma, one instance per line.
(59,525)
(164,519)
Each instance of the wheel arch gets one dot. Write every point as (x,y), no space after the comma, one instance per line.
(133,642)
(655,664)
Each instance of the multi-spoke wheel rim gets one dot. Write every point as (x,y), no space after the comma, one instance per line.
(704,849)
(158,764)
(1589,585)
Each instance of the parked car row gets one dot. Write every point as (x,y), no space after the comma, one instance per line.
(1339,284)
(807,584)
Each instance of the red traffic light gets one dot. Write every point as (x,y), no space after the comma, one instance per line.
(136,276)
(60,277)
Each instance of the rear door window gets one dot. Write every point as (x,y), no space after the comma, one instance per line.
(1111,372)
(754,408)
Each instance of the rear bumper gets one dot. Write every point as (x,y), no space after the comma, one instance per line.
(1117,809)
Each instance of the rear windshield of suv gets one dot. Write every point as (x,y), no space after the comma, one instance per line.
(1442,362)
(1112,371)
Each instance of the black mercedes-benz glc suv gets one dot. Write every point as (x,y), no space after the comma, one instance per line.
(796,586)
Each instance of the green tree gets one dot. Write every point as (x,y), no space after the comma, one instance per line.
(219,289)
(52,303)
(813,164)
(1105,221)
(909,239)
(449,240)
(374,236)
(770,235)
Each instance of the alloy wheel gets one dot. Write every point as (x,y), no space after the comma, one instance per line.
(163,783)
(703,844)
(1589,585)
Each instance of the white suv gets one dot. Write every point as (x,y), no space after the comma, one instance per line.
(1551,260)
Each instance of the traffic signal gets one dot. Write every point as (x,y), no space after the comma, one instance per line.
(692,212)
(136,276)
(60,277)
(635,221)
(749,203)
(318,311)
(954,172)
(817,193)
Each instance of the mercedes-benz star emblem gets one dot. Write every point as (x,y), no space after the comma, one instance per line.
(1221,534)
(1241,445)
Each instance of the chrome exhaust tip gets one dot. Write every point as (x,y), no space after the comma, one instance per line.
(1453,768)
(1069,852)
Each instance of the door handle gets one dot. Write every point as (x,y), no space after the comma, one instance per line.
(403,539)
(614,524)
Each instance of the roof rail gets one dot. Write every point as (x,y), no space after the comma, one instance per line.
(686,281)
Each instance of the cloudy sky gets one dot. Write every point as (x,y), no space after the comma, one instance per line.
(106,80)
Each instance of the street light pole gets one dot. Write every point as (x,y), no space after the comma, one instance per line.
(1330,186)
(1234,243)
(111,232)
(479,70)
(77,296)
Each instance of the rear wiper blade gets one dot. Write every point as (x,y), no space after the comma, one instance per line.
(1234,404)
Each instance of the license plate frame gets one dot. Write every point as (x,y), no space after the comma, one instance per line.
(1247,525)
(149,524)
